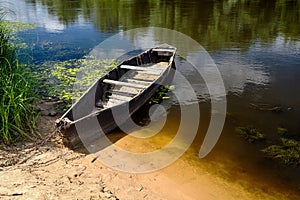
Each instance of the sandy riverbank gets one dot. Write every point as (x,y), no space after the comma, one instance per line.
(55,172)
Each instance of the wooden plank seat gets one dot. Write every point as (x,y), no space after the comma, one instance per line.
(148,70)
(133,67)
(120,83)
(142,79)
(163,50)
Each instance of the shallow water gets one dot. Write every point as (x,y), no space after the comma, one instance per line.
(255,44)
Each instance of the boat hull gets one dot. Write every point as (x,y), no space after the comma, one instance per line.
(87,125)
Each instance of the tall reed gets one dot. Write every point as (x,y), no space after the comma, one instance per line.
(17,115)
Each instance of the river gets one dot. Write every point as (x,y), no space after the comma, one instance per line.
(254,44)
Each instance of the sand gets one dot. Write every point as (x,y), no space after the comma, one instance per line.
(56,172)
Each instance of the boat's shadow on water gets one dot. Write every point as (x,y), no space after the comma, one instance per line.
(141,118)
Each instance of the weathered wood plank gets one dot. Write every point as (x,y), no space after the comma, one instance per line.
(119,97)
(142,82)
(124,84)
(133,67)
(144,77)
(148,69)
(164,50)
(156,73)
(123,93)
(113,102)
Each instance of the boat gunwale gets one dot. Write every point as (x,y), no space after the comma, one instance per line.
(100,80)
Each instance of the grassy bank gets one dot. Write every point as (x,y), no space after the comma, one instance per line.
(17,115)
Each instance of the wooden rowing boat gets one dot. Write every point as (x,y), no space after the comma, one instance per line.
(129,86)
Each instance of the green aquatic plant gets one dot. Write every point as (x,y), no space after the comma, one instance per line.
(160,94)
(282,131)
(269,107)
(68,80)
(288,152)
(17,115)
(250,134)
(13,28)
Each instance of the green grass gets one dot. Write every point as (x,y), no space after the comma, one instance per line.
(17,114)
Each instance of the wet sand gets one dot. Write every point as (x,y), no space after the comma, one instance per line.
(55,172)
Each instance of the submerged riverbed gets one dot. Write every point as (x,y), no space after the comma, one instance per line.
(255,45)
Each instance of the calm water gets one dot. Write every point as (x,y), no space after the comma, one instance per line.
(255,44)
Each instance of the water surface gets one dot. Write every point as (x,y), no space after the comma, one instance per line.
(255,44)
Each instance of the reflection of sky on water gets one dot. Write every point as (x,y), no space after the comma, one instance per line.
(235,76)
(235,68)
(237,72)
(52,39)
(37,14)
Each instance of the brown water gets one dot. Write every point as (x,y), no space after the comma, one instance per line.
(255,44)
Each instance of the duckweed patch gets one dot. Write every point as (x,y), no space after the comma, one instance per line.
(68,80)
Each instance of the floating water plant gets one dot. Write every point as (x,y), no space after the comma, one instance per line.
(160,94)
(288,152)
(268,107)
(68,80)
(282,131)
(250,134)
